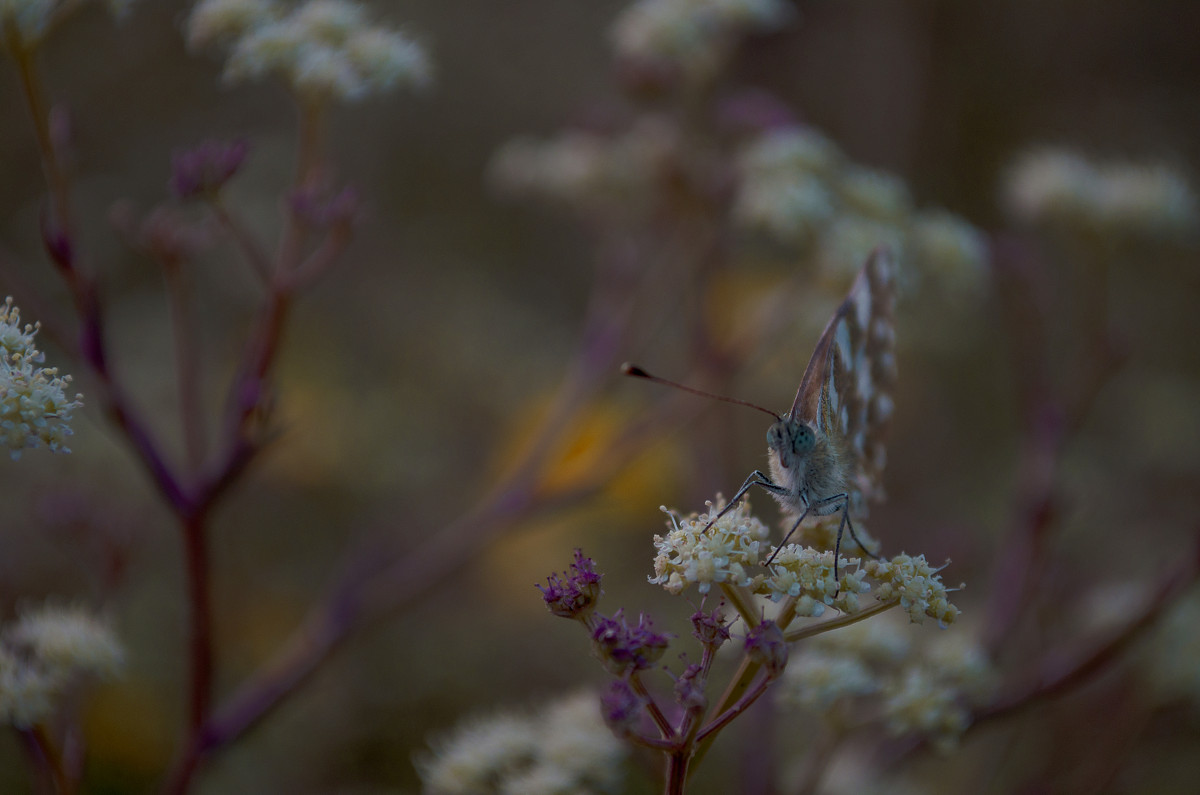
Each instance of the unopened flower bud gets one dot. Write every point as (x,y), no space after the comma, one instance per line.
(573,594)
(765,645)
(621,708)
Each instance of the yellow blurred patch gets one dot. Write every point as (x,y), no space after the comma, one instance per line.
(312,445)
(734,300)
(128,728)
(582,455)
(251,635)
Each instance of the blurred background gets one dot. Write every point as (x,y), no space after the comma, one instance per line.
(415,372)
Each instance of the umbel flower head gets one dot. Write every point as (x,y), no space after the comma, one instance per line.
(34,407)
(917,684)
(797,189)
(732,552)
(324,49)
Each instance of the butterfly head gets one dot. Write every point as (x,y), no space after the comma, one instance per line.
(792,439)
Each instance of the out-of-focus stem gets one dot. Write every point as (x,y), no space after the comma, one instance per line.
(706,735)
(48,755)
(1054,676)
(251,250)
(39,111)
(187,362)
(199,586)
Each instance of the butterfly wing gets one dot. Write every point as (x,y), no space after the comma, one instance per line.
(846,390)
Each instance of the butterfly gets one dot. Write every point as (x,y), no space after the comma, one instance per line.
(826,455)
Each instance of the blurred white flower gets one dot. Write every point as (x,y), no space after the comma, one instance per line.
(324,49)
(1061,186)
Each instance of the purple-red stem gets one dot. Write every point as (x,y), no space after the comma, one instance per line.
(201,639)
(677,771)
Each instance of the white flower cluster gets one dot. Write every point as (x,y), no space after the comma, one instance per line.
(43,651)
(691,35)
(1061,186)
(915,585)
(564,748)
(324,49)
(586,170)
(729,552)
(34,407)
(733,552)
(808,575)
(917,688)
(799,190)
(29,20)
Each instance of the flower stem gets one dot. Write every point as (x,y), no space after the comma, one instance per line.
(677,771)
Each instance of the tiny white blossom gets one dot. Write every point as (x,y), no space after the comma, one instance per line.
(875,195)
(691,34)
(809,573)
(326,71)
(324,49)
(275,46)
(387,59)
(68,639)
(34,407)
(919,702)
(950,250)
(728,552)
(45,650)
(589,171)
(564,747)
(330,21)
(915,585)
(817,679)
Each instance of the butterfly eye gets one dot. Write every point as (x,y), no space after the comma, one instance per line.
(803,439)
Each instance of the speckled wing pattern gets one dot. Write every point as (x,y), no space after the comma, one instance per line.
(846,390)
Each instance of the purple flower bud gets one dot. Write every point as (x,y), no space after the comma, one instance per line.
(765,645)
(689,689)
(573,594)
(203,171)
(622,647)
(621,708)
(710,628)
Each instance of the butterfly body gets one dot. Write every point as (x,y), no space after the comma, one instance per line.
(826,455)
(810,469)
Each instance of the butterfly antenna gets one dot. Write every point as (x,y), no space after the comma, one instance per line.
(637,372)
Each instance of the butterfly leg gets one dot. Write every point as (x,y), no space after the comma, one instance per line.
(756,478)
(803,516)
(842,525)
